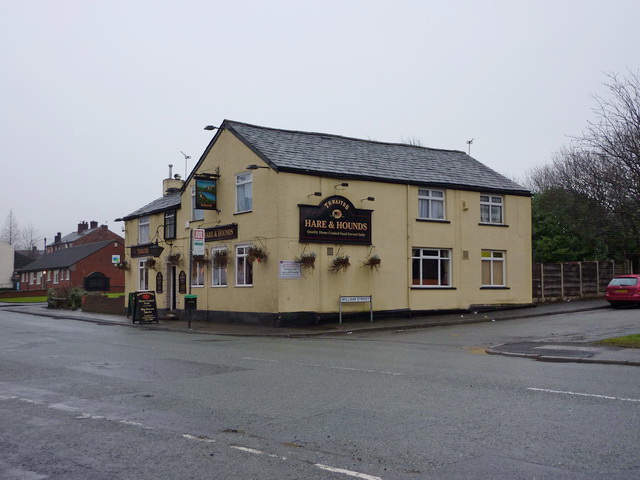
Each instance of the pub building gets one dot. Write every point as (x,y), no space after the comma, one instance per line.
(285,228)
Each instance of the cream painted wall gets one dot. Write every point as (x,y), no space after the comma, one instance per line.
(6,265)
(274,224)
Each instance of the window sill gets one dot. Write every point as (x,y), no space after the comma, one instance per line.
(197,286)
(489,287)
(219,286)
(431,287)
(242,213)
(243,286)
(484,224)
(432,220)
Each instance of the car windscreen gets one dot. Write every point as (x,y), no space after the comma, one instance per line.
(623,282)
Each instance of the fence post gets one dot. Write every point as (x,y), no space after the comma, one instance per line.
(562,280)
(581,291)
(542,281)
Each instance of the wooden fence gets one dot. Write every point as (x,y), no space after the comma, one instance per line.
(559,281)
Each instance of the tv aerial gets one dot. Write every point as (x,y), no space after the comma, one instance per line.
(186,157)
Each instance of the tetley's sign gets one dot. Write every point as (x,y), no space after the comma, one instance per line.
(335,220)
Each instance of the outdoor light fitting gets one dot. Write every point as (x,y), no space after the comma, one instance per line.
(370,199)
(155,249)
(211,127)
(253,166)
(343,184)
(315,194)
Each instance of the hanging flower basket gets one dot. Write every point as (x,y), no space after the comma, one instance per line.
(373,262)
(174,258)
(307,260)
(340,262)
(257,253)
(220,258)
(151,263)
(122,265)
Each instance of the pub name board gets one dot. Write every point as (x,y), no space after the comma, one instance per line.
(335,220)
(141,251)
(222,232)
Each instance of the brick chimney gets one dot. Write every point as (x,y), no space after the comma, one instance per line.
(58,238)
(171,184)
(82,227)
(93,224)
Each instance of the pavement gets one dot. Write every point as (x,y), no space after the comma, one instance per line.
(579,352)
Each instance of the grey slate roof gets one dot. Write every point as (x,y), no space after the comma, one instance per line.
(65,257)
(351,158)
(170,200)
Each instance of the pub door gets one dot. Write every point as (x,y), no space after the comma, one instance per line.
(173,294)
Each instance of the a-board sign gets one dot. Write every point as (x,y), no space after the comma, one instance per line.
(146,309)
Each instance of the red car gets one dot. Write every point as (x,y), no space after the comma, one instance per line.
(623,290)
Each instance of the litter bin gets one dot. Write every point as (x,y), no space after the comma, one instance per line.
(190,304)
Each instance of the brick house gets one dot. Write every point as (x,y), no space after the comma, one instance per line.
(86,233)
(75,266)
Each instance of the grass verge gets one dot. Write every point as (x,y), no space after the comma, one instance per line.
(629,341)
(24,299)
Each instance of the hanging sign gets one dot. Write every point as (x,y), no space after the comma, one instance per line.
(197,244)
(335,220)
(141,250)
(206,196)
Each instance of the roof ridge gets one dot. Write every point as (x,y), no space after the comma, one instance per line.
(344,137)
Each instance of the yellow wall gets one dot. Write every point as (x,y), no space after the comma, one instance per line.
(274,224)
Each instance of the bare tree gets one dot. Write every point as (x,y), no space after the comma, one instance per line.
(414,141)
(29,237)
(10,231)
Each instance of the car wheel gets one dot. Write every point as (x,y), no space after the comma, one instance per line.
(615,304)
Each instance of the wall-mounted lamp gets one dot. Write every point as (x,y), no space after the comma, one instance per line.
(211,127)
(253,166)
(315,194)
(343,184)
(370,199)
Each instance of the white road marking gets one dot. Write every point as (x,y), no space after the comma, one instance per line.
(593,395)
(346,472)
(198,439)
(315,365)
(256,452)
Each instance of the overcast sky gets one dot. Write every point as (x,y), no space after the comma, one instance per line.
(98,97)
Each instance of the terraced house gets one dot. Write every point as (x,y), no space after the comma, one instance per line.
(288,227)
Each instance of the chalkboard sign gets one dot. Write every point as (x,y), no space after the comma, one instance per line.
(146,309)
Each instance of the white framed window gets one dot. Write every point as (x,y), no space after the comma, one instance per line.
(493,268)
(431,267)
(196,213)
(244,192)
(68,272)
(244,268)
(143,275)
(197,273)
(430,204)
(143,230)
(56,276)
(32,278)
(491,209)
(218,272)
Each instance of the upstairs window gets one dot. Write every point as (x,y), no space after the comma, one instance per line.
(491,207)
(170,224)
(430,204)
(244,194)
(196,214)
(143,230)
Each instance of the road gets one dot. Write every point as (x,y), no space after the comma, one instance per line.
(86,401)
